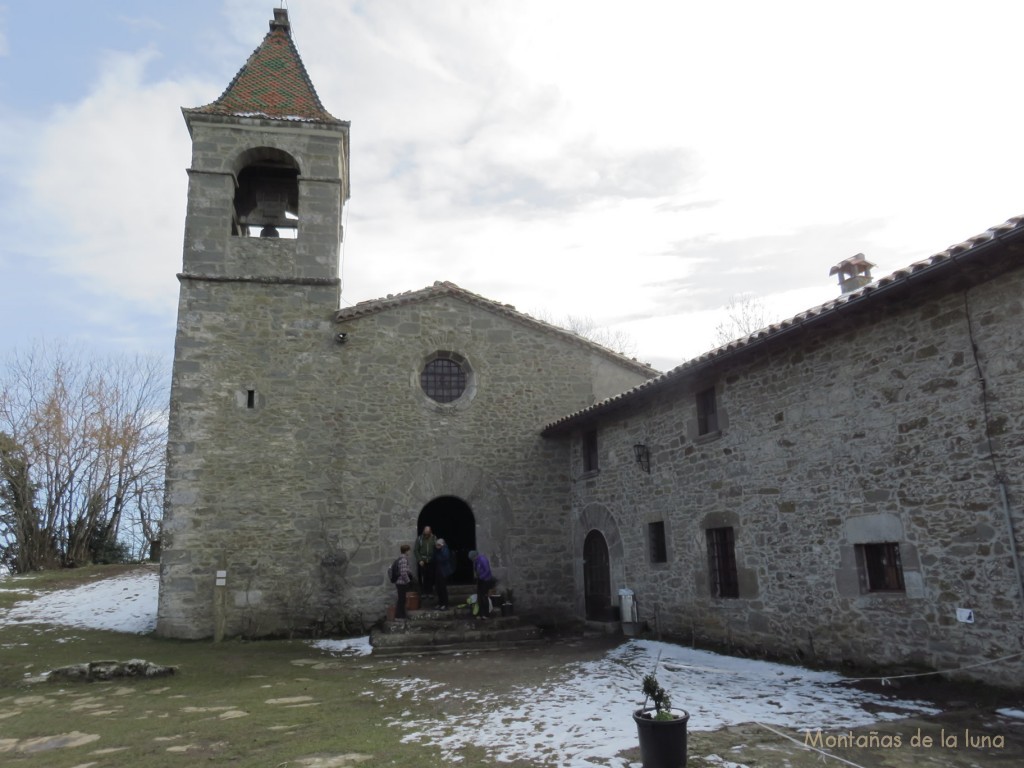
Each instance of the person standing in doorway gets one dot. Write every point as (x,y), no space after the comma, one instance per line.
(443,568)
(425,558)
(484,583)
(404,580)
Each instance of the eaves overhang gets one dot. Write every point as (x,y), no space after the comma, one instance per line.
(972,261)
(444,288)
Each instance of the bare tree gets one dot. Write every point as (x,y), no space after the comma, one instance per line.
(82,450)
(745,314)
(585,327)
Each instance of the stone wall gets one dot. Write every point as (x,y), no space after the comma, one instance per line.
(402,449)
(873,429)
(220,149)
(298,464)
(248,450)
(304,498)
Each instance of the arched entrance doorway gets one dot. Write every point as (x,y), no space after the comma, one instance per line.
(451,519)
(597,582)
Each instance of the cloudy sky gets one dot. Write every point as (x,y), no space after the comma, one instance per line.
(639,164)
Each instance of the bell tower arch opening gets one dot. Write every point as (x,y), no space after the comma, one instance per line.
(267,196)
(451,519)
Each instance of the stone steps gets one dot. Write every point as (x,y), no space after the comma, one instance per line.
(450,631)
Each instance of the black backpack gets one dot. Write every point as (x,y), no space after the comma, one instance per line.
(394,571)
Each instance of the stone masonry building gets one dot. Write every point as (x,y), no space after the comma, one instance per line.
(306,443)
(844,485)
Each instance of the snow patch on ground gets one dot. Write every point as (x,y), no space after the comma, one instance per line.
(584,718)
(120,604)
(352,646)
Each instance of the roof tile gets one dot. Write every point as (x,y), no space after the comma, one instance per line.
(273,83)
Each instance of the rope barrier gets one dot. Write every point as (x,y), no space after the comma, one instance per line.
(808,746)
(887,678)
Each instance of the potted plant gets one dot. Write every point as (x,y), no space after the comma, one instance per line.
(662,729)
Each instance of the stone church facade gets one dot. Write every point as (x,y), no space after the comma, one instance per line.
(841,486)
(307,443)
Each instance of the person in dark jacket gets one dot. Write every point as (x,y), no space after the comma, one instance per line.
(404,581)
(484,583)
(443,569)
(424,554)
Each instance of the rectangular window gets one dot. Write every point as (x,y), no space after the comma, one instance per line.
(880,567)
(707,412)
(656,542)
(722,563)
(590,451)
(250,398)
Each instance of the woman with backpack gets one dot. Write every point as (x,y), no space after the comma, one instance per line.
(402,577)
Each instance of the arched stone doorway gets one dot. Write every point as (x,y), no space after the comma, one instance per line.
(597,582)
(452,520)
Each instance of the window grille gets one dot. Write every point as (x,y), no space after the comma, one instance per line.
(443,380)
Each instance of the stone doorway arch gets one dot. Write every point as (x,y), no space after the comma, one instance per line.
(453,520)
(403,503)
(596,518)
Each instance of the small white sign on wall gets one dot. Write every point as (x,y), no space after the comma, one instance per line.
(222,579)
(966,615)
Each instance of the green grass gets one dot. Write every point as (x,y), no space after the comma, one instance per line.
(223,707)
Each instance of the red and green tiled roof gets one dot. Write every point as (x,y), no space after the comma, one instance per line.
(272,84)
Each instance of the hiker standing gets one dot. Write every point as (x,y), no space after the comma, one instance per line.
(443,568)
(404,580)
(484,583)
(425,557)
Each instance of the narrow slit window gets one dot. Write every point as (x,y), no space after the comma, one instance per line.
(250,398)
(589,448)
(656,542)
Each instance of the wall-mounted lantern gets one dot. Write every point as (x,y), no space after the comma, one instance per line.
(643,457)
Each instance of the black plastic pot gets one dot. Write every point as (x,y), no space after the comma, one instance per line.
(662,742)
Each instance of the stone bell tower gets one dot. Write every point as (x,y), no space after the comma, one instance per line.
(258,287)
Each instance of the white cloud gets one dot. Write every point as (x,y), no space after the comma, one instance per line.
(657,158)
(510,151)
(109,176)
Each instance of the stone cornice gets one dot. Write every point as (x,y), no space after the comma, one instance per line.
(261,279)
(449,289)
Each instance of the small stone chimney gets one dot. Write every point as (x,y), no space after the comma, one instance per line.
(281,20)
(854,273)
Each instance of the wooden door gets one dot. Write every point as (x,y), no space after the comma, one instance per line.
(597,582)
